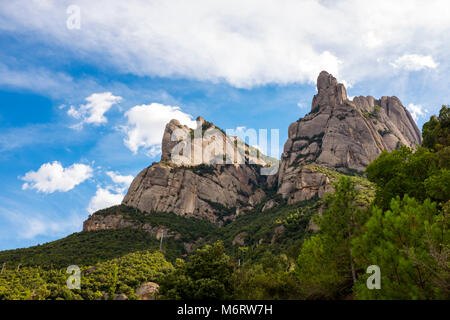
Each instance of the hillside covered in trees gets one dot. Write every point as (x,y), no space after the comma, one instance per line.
(395,216)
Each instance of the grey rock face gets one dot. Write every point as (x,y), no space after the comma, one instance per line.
(269,205)
(301,183)
(197,188)
(193,193)
(206,144)
(239,239)
(174,126)
(147,291)
(117,221)
(109,222)
(341,135)
(338,134)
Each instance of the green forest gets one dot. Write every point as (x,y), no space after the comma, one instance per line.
(394,216)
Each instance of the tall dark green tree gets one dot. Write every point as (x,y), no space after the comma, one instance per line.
(410,244)
(436,132)
(206,275)
(270,277)
(325,266)
(419,174)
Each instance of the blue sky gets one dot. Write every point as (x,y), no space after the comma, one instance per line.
(74,103)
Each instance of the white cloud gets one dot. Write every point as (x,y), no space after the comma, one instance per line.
(53,177)
(37,79)
(58,85)
(414,62)
(104,198)
(110,195)
(94,111)
(31,225)
(146,124)
(416,111)
(371,40)
(247,43)
(301,105)
(22,218)
(347,84)
(119,179)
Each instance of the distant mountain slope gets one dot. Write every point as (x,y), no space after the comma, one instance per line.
(87,248)
(273,224)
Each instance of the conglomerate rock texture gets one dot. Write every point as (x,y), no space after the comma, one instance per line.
(206,174)
(341,135)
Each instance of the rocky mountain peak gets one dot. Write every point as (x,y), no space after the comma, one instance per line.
(341,135)
(329,91)
(200,120)
(167,144)
(203,173)
(220,177)
(206,144)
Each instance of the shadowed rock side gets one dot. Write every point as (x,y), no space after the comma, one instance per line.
(196,193)
(117,221)
(342,135)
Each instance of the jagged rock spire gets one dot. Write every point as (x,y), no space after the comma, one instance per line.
(337,134)
(341,135)
(329,91)
(167,144)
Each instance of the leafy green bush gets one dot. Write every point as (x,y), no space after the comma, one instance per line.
(206,275)
(325,266)
(403,172)
(410,244)
(121,275)
(436,132)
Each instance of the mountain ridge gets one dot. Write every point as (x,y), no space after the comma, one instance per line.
(205,174)
(341,135)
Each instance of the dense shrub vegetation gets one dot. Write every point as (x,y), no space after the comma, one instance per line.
(190,228)
(403,229)
(87,248)
(122,275)
(259,229)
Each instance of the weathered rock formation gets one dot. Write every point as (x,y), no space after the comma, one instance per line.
(341,135)
(202,192)
(206,174)
(207,145)
(147,291)
(207,177)
(115,221)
